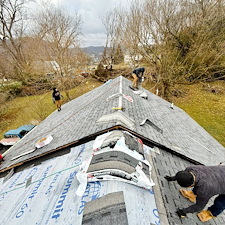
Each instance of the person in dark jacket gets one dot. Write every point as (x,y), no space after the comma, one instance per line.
(137,75)
(56,97)
(206,182)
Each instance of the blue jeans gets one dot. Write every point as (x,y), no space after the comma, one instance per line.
(218,206)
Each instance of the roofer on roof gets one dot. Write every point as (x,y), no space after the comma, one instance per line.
(137,74)
(56,97)
(206,181)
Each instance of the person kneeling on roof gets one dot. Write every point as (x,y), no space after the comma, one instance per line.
(137,75)
(206,182)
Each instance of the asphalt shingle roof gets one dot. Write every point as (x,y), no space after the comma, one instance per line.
(177,139)
(78,119)
(168,164)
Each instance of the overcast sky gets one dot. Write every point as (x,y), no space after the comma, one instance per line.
(91,12)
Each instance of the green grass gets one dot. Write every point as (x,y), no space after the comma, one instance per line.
(34,109)
(205,107)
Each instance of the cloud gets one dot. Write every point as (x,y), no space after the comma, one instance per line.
(91,11)
(94,39)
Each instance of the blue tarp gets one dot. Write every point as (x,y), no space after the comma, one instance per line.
(19,131)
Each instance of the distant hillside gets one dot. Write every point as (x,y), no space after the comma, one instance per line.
(94,50)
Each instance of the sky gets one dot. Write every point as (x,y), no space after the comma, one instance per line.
(91,12)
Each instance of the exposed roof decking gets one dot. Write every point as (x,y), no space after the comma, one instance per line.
(78,120)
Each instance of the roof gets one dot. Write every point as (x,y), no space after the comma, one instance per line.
(24,128)
(46,194)
(92,113)
(172,140)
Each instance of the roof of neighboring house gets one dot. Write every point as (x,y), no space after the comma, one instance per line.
(172,140)
(24,128)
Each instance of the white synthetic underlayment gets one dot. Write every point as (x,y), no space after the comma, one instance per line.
(51,197)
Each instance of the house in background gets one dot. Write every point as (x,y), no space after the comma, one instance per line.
(106,162)
(132,59)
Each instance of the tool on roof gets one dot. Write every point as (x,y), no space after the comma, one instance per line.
(118,108)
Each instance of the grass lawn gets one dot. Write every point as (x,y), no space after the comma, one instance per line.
(34,109)
(206,108)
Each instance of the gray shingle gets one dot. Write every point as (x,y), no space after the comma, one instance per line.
(78,118)
(109,209)
(170,190)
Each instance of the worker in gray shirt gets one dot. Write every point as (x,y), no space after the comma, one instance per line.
(206,182)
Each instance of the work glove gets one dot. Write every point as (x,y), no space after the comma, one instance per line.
(181,213)
(169,178)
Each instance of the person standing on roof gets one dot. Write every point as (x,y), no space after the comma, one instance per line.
(137,74)
(56,97)
(206,182)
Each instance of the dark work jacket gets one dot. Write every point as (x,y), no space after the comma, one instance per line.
(210,181)
(139,71)
(56,95)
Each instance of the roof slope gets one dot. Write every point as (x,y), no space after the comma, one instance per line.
(46,192)
(170,128)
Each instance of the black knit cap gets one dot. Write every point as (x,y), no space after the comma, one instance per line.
(184,178)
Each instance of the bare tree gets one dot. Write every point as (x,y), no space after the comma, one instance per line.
(112,21)
(182,40)
(13,18)
(60,30)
